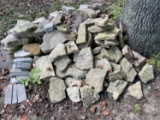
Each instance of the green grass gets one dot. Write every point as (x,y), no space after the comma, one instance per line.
(155,60)
(137,108)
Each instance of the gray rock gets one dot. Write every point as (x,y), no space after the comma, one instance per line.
(135,90)
(115,67)
(71,37)
(68,9)
(62,28)
(57,52)
(95,78)
(97,50)
(113,54)
(71,82)
(50,40)
(27,59)
(75,56)
(146,74)
(88,96)
(139,61)
(8,94)
(60,74)
(74,94)
(44,64)
(23,66)
(116,75)
(127,52)
(18,72)
(98,57)
(102,43)
(103,64)
(95,29)
(128,69)
(71,47)
(14,94)
(39,20)
(21,93)
(74,72)
(56,90)
(90,21)
(62,63)
(56,17)
(116,88)
(102,22)
(22,53)
(84,6)
(111,42)
(82,34)
(97,6)
(85,59)
(90,12)
(48,27)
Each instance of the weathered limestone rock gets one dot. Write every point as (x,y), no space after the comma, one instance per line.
(74,72)
(56,90)
(108,35)
(116,75)
(90,21)
(23,28)
(88,96)
(60,74)
(57,52)
(128,69)
(44,64)
(62,28)
(50,40)
(102,43)
(74,94)
(127,52)
(71,47)
(32,48)
(68,9)
(115,67)
(85,59)
(146,74)
(62,63)
(113,54)
(95,78)
(95,29)
(56,17)
(135,90)
(71,82)
(97,50)
(82,34)
(116,88)
(71,37)
(103,64)
(111,42)
(22,53)
(90,12)
(39,20)
(101,22)
(49,27)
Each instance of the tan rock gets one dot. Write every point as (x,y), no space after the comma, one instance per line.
(32,48)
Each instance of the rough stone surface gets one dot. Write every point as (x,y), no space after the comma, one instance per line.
(32,48)
(128,70)
(127,52)
(97,50)
(113,54)
(90,12)
(43,63)
(74,94)
(116,88)
(50,40)
(57,52)
(135,90)
(56,90)
(48,27)
(88,96)
(146,74)
(74,72)
(22,53)
(71,47)
(62,63)
(21,93)
(103,64)
(116,75)
(95,29)
(60,74)
(115,67)
(82,34)
(56,17)
(95,78)
(85,59)
(68,9)
(111,42)
(101,22)
(71,82)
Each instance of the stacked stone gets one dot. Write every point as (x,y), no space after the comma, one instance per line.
(79,53)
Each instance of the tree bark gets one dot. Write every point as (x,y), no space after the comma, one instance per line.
(141,19)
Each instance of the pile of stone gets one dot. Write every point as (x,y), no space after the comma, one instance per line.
(79,52)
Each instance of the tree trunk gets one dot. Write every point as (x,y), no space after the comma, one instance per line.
(141,19)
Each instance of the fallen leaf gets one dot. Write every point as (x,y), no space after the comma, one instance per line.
(103,104)
(93,109)
(23,117)
(105,112)
(110,71)
(5,106)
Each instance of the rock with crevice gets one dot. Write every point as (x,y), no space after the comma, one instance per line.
(71,82)
(74,94)
(127,52)
(56,17)
(102,22)
(71,47)
(103,64)
(116,75)
(115,67)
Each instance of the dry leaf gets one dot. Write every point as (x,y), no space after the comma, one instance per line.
(93,109)
(23,117)
(103,104)
(105,112)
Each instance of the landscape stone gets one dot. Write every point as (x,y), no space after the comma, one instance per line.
(22,53)
(14,94)
(23,66)
(103,64)
(95,78)
(135,90)
(85,59)
(146,74)
(111,42)
(57,52)
(74,72)
(32,48)
(21,93)
(26,59)
(97,6)
(102,43)
(116,75)
(8,94)
(49,27)
(62,28)
(84,6)
(127,52)
(115,67)
(68,9)
(62,63)
(101,22)
(95,29)
(18,72)
(71,37)
(90,12)
(71,47)
(56,90)
(97,50)
(74,94)
(50,40)
(113,54)
(71,82)
(90,21)
(88,96)
(44,64)
(56,17)
(60,74)
(116,88)
(82,34)
(39,20)
(128,69)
